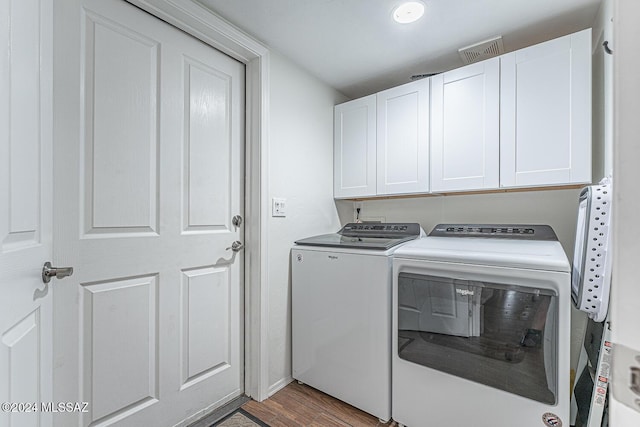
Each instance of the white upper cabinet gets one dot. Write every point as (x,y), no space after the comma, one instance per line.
(545,124)
(354,169)
(403,139)
(519,120)
(465,128)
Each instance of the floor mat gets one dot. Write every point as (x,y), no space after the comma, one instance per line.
(240,418)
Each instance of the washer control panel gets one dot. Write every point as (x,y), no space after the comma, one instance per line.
(377,227)
(380,229)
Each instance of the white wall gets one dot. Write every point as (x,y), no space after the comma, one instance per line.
(301,171)
(625,302)
(557,208)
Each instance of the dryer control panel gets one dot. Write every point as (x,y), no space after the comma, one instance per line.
(501,231)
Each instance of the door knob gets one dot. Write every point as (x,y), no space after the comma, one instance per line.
(236,246)
(58,272)
(236,220)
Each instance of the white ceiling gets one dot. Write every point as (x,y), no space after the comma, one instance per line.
(357,48)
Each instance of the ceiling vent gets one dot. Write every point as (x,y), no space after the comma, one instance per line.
(483,50)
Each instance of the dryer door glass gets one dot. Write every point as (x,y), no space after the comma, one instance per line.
(500,335)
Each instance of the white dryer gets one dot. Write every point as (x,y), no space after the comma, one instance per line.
(481,328)
(341,312)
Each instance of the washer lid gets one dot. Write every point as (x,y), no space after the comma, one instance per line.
(336,240)
(527,254)
(375,236)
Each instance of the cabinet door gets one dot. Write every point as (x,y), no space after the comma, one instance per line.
(403,139)
(545,124)
(354,157)
(465,128)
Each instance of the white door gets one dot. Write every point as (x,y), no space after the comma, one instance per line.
(545,113)
(354,157)
(465,128)
(403,139)
(25,211)
(150,127)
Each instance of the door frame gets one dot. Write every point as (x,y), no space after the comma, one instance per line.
(203,24)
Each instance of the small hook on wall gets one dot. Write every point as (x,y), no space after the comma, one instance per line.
(606,47)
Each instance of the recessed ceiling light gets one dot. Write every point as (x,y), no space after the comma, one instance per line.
(408,12)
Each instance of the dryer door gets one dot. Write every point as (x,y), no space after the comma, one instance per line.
(499,334)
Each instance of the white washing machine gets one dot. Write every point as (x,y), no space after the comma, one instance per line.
(341,312)
(481,328)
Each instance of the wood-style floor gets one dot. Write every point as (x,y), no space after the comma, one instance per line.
(299,405)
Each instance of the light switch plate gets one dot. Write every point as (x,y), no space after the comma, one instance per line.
(278,207)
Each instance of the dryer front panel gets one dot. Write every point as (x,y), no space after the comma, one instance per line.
(495,339)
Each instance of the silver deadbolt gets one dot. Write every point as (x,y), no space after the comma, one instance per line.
(236,246)
(58,272)
(237,220)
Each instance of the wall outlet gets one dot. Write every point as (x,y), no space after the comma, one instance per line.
(356,214)
(278,207)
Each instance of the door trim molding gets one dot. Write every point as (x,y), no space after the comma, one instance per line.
(195,19)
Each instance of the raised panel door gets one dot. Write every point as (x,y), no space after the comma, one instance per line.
(25,212)
(465,128)
(545,119)
(150,326)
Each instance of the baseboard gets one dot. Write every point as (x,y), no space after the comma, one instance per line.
(274,388)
